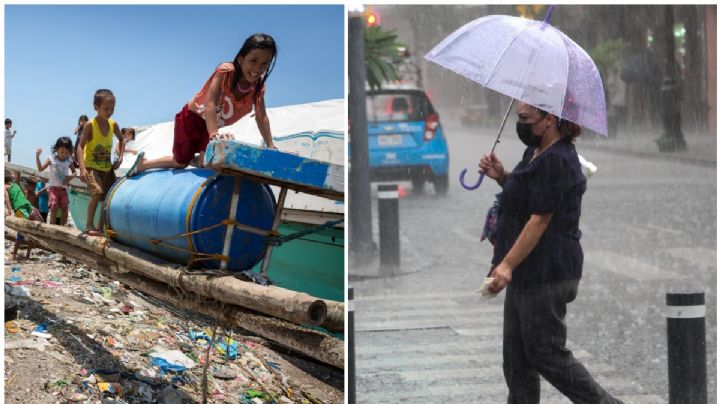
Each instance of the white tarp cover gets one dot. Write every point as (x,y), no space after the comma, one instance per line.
(315,130)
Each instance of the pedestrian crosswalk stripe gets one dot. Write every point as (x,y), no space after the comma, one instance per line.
(697,256)
(478,332)
(366,314)
(436,347)
(384,363)
(473,390)
(628,266)
(461,322)
(423,297)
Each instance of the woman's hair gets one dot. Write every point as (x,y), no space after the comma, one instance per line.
(569,131)
(63,142)
(101,95)
(256,41)
(130,130)
(8,177)
(84,117)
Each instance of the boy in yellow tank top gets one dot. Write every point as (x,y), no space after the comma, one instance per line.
(95,149)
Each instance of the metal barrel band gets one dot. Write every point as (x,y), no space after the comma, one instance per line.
(190,208)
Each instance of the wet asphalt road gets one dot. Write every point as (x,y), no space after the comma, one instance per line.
(648,225)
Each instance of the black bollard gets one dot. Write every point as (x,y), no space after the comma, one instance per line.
(687,366)
(389,224)
(351,347)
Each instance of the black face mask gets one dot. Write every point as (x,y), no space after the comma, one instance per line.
(526,135)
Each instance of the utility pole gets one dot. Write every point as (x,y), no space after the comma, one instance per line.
(672,138)
(359,202)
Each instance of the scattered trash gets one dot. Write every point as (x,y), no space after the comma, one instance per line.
(12,327)
(260,279)
(14,278)
(225,373)
(109,390)
(51,284)
(78,397)
(172,356)
(42,334)
(100,342)
(15,268)
(20,291)
(127,309)
(166,366)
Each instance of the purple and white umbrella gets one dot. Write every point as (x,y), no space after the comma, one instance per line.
(530,61)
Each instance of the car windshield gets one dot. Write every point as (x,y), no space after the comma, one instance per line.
(397,106)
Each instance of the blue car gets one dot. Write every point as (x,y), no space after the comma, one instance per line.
(406,139)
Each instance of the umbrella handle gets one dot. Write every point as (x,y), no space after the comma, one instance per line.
(470,187)
(497,140)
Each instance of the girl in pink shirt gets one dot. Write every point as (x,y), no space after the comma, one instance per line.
(233,91)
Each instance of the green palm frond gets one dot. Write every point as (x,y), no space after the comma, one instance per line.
(381,49)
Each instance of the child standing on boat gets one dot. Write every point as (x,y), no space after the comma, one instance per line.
(95,150)
(60,162)
(233,91)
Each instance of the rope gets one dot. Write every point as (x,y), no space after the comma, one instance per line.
(278,240)
(197,256)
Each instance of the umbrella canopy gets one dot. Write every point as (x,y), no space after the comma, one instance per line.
(530,61)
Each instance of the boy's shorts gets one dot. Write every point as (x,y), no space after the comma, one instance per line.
(58,197)
(100,182)
(191,135)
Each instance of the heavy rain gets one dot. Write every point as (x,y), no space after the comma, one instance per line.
(423,332)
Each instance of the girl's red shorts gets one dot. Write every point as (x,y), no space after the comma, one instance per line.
(191,135)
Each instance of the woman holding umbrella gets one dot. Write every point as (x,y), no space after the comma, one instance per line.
(539,259)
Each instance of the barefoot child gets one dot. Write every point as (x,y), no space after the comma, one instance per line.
(17,204)
(42,196)
(233,91)
(94,150)
(60,162)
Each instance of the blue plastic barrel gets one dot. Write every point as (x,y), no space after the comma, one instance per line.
(157,211)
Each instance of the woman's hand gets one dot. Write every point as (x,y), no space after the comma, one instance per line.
(502,275)
(492,167)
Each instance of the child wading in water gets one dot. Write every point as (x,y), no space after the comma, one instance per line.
(60,162)
(95,150)
(230,93)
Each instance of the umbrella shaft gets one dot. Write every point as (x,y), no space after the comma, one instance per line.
(502,125)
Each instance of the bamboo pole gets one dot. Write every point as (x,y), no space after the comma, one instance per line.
(335,320)
(297,307)
(314,344)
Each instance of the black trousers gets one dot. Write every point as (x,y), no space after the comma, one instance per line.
(534,334)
